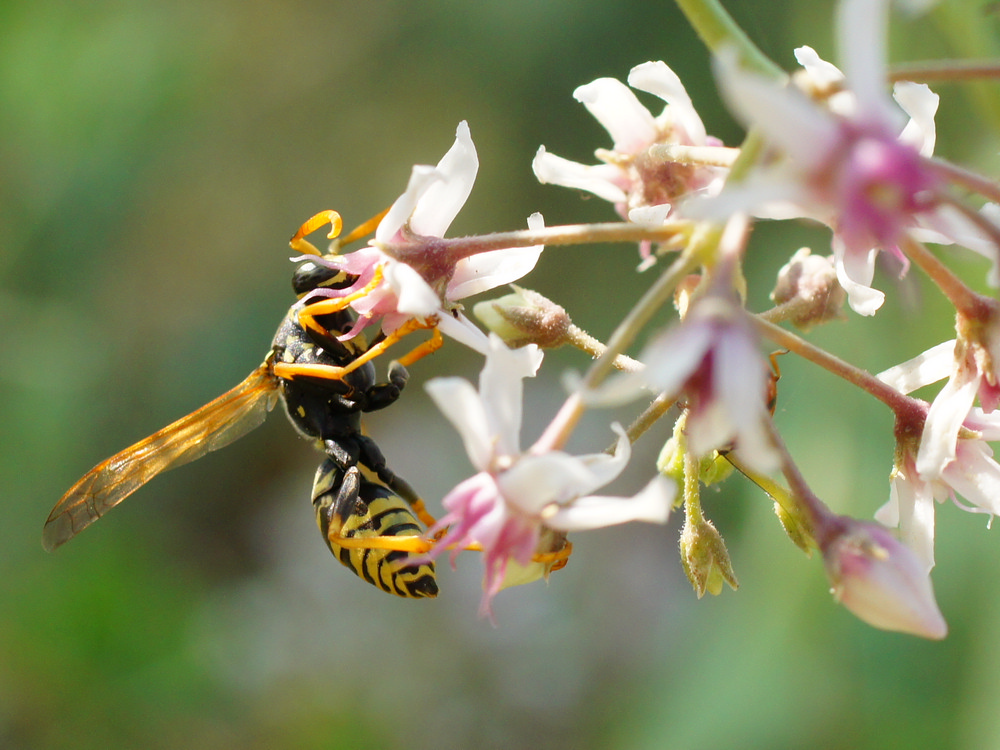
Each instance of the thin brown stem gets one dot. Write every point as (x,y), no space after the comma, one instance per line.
(900,403)
(966,302)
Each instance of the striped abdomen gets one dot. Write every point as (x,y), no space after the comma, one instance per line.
(355,505)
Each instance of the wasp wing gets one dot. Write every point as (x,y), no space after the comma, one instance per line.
(215,425)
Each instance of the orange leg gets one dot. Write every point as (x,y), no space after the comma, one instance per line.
(415,544)
(418,508)
(331,372)
(301,245)
(307,315)
(365,229)
(419,352)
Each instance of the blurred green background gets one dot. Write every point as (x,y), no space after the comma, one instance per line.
(154,159)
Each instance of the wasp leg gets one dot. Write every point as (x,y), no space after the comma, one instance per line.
(371,459)
(365,229)
(309,313)
(554,560)
(428,347)
(300,244)
(371,531)
(413,544)
(380,395)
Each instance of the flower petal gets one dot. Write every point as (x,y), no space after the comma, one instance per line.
(785,115)
(657,78)
(441,201)
(603,180)
(651,504)
(421,178)
(461,405)
(485,271)
(415,296)
(944,418)
(928,367)
(501,389)
(921,104)
(613,104)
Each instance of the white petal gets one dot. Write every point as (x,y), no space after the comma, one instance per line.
(657,78)
(741,380)
(987,425)
(823,73)
(486,271)
(915,515)
(501,390)
(459,402)
(975,476)
(421,178)
(861,37)
(928,367)
(605,467)
(650,216)
(673,356)
(921,104)
(786,116)
(463,330)
(651,504)
(441,202)
(947,412)
(614,105)
(601,179)
(855,272)
(415,295)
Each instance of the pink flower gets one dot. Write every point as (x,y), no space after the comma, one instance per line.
(712,359)
(630,176)
(419,279)
(515,496)
(849,161)
(951,460)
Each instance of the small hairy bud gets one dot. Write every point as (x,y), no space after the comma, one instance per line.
(705,558)
(810,280)
(525,317)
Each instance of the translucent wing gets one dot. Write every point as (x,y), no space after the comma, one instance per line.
(229,417)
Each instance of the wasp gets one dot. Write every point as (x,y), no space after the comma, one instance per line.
(367,514)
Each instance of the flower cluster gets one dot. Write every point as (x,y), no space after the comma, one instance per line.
(829,145)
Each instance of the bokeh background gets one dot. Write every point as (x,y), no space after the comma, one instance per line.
(154,159)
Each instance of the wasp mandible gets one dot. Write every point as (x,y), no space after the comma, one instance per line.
(367,514)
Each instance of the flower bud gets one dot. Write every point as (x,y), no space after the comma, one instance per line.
(525,317)
(812,281)
(705,558)
(881,580)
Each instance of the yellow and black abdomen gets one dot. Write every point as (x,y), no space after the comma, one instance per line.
(366,524)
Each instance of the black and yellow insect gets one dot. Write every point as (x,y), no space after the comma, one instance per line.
(367,514)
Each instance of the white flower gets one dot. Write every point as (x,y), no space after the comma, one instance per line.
(419,281)
(505,507)
(712,359)
(953,458)
(850,162)
(630,176)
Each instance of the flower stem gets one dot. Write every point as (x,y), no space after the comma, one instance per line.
(583,341)
(558,431)
(717,29)
(901,404)
(945,70)
(456,248)
(967,302)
